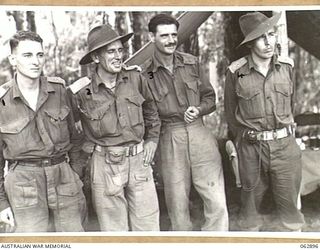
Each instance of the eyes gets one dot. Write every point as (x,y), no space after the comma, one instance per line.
(30,55)
(115,51)
(270,34)
(172,35)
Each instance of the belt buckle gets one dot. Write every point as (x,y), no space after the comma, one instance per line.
(46,162)
(275,135)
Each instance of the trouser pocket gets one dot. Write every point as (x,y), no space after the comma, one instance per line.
(23,194)
(146,196)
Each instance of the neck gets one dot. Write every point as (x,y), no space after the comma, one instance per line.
(165,59)
(27,83)
(106,77)
(261,62)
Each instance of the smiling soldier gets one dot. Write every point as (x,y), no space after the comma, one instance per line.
(259,93)
(121,125)
(36,127)
(188,150)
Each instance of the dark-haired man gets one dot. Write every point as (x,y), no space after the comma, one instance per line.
(259,102)
(188,150)
(121,125)
(36,127)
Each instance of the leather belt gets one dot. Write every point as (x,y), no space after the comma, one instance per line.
(41,161)
(275,134)
(130,150)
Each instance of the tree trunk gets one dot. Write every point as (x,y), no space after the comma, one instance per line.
(18,17)
(139,26)
(31,21)
(56,46)
(120,23)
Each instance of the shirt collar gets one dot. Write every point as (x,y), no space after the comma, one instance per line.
(97,81)
(44,86)
(177,61)
(252,65)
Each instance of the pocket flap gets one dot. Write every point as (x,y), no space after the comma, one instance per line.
(98,112)
(142,177)
(137,100)
(193,85)
(69,189)
(58,115)
(282,88)
(248,94)
(14,127)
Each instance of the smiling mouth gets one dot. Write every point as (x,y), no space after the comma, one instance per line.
(117,64)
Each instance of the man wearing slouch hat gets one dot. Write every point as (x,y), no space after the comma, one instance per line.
(121,126)
(259,100)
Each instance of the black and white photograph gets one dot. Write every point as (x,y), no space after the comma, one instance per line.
(169,120)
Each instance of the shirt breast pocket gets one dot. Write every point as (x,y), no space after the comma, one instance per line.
(283,98)
(250,103)
(134,107)
(192,91)
(101,120)
(13,133)
(57,123)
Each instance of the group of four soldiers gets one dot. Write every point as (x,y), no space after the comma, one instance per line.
(126,115)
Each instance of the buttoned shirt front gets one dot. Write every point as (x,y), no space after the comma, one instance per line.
(257,102)
(185,86)
(124,116)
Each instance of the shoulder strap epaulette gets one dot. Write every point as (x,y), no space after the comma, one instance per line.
(132,67)
(79,84)
(286,59)
(234,66)
(5,87)
(56,79)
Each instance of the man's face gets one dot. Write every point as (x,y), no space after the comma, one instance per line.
(110,57)
(264,46)
(28,58)
(165,38)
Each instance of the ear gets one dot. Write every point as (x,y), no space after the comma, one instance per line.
(13,60)
(95,57)
(152,36)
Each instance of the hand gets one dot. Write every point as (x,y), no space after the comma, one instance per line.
(6,216)
(149,151)
(191,114)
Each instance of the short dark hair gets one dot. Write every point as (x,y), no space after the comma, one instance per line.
(161,19)
(23,35)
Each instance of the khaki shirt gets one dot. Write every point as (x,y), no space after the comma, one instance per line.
(175,92)
(123,117)
(28,134)
(255,102)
